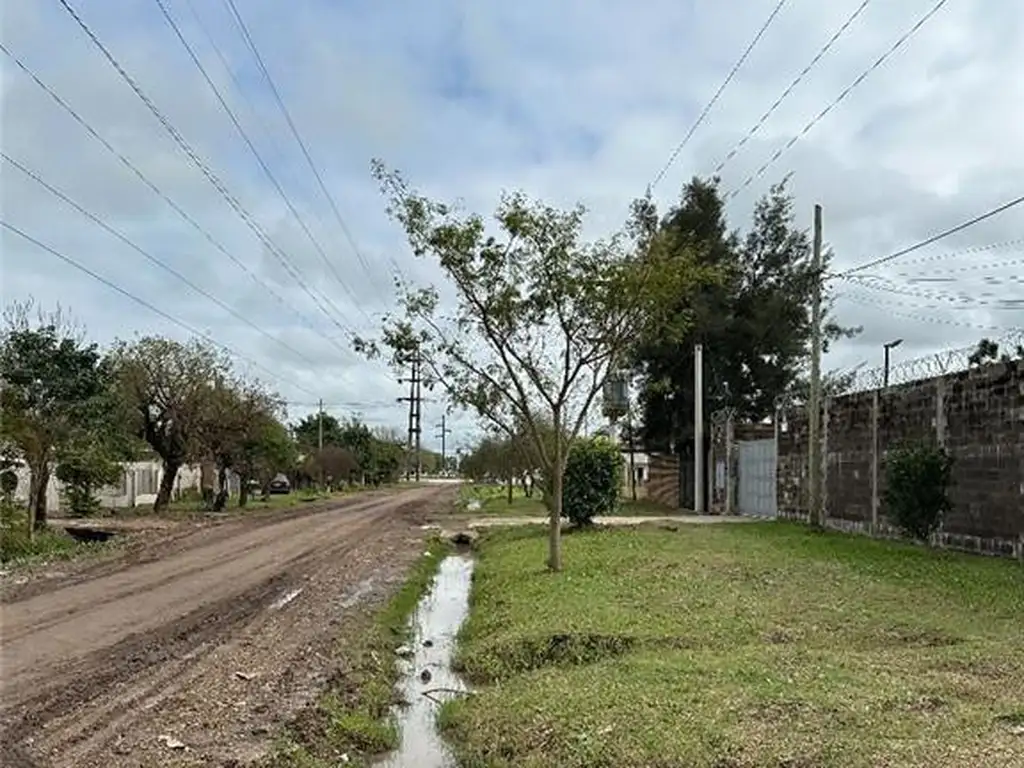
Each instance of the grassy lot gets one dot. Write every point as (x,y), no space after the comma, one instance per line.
(494,501)
(353,716)
(740,647)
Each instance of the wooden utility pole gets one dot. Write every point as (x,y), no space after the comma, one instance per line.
(418,400)
(814,457)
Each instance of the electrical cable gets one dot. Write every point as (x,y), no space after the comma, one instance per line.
(153,259)
(839,99)
(796,81)
(167,316)
(935,238)
(256,154)
(707,108)
(963,252)
(919,318)
(212,177)
(162,195)
(244,29)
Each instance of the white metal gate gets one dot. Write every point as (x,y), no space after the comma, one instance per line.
(756,462)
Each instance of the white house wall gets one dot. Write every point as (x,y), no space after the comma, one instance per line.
(138,486)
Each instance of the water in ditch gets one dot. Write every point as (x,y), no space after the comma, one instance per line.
(427,675)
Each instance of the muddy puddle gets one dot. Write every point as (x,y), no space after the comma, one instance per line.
(427,676)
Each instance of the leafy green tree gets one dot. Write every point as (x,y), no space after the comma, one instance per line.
(540,315)
(85,465)
(233,423)
(754,320)
(167,389)
(52,386)
(267,449)
(307,432)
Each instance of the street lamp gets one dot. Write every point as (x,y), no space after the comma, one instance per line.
(887,346)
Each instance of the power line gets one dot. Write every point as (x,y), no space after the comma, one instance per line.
(153,259)
(965,251)
(839,99)
(212,177)
(707,108)
(919,318)
(953,301)
(935,238)
(162,195)
(796,81)
(234,79)
(259,158)
(180,323)
(915,278)
(243,28)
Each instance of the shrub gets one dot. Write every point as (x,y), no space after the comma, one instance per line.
(82,475)
(593,479)
(918,477)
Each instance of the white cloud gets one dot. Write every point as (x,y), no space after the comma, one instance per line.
(569,101)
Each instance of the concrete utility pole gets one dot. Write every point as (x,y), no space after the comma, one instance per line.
(814,457)
(443,434)
(320,439)
(417,381)
(698,429)
(413,399)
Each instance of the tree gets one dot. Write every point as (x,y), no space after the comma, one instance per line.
(540,317)
(167,388)
(53,389)
(334,463)
(233,422)
(754,321)
(987,351)
(267,449)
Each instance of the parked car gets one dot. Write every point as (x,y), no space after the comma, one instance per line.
(280,484)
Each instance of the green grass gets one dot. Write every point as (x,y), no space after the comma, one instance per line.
(17,548)
(739,647)
(353,716)
(494,501)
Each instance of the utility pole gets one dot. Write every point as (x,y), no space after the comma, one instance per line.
(320,440)
(814,400)
(443,434)
(418,399)
(698,429)
(414,416)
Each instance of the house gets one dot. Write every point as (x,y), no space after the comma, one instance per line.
(139,484)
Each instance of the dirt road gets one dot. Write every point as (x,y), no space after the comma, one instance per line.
(195,655)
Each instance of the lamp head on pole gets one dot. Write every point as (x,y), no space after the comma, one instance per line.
(893,344)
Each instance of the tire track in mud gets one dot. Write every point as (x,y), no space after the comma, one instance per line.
(106,687)
(261,537)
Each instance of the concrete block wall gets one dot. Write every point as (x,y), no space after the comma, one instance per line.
(977,414)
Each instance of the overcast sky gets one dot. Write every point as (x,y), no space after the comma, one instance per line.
(566,100)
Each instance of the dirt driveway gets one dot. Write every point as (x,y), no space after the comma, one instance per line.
(193,654)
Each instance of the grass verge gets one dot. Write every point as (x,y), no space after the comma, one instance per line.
(18,549)
(762,645)
(493,501)
(353,716)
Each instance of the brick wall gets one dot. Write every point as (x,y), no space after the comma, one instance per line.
(663,486)
(977,414)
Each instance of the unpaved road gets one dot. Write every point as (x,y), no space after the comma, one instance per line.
(195,655)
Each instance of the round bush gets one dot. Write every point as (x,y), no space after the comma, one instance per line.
(593,480)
